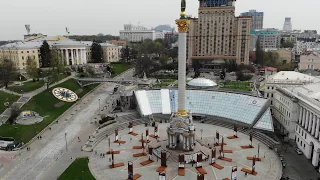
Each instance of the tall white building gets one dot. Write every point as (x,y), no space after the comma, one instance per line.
(297,110)
(284,79)
(287,26)
(132,33)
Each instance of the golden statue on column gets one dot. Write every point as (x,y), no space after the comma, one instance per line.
(181,130)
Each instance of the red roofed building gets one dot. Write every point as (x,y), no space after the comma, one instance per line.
(268,70)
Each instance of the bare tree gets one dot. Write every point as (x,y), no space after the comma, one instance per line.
(32,67)
(6,70)
(57,61)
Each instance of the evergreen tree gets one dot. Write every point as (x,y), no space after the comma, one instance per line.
(96,52)
(45,54)
(126,53)
(259,53)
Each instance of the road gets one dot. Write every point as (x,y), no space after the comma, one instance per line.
(55,149)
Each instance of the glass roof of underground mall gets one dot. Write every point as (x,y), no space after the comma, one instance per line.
(238,107)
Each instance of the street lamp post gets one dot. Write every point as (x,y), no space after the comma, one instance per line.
(99,106)
(258,149)
(65,137)
(201,130)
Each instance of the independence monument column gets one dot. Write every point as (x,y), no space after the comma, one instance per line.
(183,24)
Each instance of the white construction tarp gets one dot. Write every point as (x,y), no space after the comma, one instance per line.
(166,107)
(143,102)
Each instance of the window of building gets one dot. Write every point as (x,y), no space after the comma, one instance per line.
(304,146)
(27,51)
(22,57)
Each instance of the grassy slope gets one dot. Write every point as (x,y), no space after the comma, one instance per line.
(44,104)
(27,86)
(78,170)
(6,97)
(237,86)
(119,68)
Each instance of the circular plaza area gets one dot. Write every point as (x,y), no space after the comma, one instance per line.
(268,167)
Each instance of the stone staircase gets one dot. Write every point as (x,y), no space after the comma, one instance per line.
(268,141)
(105,132)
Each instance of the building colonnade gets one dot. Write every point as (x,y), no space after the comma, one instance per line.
(187,140)
(74,56)
(310,122)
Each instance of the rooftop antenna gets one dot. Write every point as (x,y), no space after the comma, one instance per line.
(67,31)
(27,28)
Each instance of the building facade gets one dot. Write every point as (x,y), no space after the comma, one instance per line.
(217,35)
(297,111)
(285,55)
(310,60)
(284,79)
(270,39)
(287,26)
(257,18)
(132,33)
(74,52)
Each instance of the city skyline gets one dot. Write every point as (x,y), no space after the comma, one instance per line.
(108,17)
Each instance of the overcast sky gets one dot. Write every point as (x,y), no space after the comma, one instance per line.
(51,17)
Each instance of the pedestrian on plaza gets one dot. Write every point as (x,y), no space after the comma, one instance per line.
(119,143)
(79,139)
(71,157)
(109,159)
(96,152)
(100,155)
(40,137)
(50,128)
(130,139)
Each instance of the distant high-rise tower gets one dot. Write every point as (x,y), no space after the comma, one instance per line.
(287,26)
(257,19)
(217,36)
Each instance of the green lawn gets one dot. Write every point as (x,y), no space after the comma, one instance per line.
(27,86)
(6,97)
(56,78)
(44,104)
(241,85)
(119,68)
(161,85)
(168,80)
(78,170)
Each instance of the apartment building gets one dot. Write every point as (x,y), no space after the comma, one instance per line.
(217,35)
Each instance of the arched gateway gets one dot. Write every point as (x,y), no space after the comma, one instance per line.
(181,133)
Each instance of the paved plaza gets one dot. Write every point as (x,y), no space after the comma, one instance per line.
(269,168)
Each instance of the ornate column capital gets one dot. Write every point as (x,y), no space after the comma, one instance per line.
(183,25)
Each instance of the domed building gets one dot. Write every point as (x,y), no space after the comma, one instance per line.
(202,82)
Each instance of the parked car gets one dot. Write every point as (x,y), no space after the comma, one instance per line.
(298,151)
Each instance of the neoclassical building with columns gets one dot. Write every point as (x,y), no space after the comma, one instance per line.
(74,52)
(297,111)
